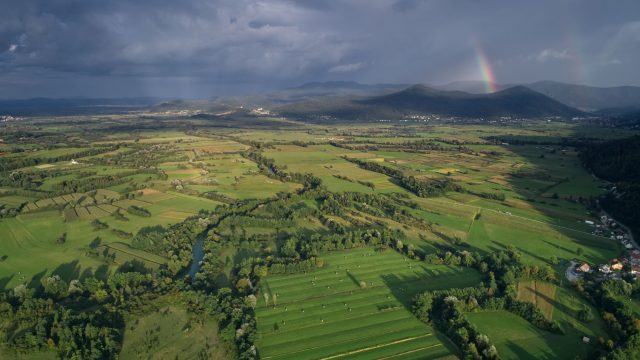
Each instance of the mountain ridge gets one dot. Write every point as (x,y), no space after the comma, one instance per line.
(517,101)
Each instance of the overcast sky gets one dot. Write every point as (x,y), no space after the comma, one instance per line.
(204,48)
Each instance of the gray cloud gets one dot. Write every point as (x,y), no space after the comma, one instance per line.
(200,48)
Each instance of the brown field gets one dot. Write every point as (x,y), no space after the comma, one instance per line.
(540,293)
(149,191)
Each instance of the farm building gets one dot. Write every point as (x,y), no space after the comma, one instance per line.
(584,267)
(616,265)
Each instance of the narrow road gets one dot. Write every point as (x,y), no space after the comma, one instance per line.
(633,241)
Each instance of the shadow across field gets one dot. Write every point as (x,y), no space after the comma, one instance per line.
(550,183)
(5,281)
(522,353)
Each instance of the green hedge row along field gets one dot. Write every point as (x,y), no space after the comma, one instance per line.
(354,307)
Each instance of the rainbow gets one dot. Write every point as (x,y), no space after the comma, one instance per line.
(485,68)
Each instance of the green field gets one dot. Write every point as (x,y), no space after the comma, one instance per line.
(515,338)
(170,333)
(268,191)
(326,313)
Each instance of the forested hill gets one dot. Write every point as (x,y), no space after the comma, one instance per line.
(615,160)
(619,161)
(517,101)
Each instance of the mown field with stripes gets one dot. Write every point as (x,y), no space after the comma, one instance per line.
(356,307)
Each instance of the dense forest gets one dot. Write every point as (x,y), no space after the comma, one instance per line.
(617,161)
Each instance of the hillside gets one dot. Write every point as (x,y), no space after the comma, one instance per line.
(617,161)
(517,101)
(589,98)
(310,91)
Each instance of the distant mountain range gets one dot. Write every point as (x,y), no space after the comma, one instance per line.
(350,99)
(517,101)
(586,98)
(311,90)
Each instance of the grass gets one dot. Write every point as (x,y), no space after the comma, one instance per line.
(123,253)
(515,338)
(33,236)
(325,161)
(171,333)
(326,313)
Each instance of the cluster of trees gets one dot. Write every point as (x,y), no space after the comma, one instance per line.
(94,183)
(623,324)
(99,225)
(139,211)
(532,314)
(119,215)
(234,306)
(45,325)
(53,315)
(446,311)
(502,271)
(409,146)
(421,188)
(7,211)
(269,168)
(282,266)
(178,241)
(346,178)
(12,163)
(489,195)
(121,234)
(214,195)
(27,180)
(149,238)
(142,156)
(303,246)
(373,204)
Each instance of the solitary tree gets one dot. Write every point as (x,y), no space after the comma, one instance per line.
(251,300)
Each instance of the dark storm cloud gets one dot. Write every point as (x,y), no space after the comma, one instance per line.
(199,48)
